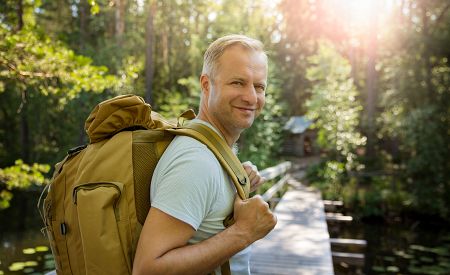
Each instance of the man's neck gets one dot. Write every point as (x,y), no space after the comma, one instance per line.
(230,138)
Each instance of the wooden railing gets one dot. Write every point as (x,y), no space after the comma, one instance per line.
(271,173)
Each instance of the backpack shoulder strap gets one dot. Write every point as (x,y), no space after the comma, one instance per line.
(221,150)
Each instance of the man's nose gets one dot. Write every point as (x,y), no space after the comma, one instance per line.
(250,95)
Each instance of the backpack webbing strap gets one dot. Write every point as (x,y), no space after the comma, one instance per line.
(222,151)
(225,268)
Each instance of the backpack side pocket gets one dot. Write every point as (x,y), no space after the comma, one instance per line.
(99,218)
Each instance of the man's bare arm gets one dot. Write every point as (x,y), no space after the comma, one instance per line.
(163,249)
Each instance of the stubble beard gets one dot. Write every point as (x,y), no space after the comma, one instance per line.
(238,125)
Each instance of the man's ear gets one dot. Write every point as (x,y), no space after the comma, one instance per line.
(204,84)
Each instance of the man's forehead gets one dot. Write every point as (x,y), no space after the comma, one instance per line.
(242,58)
(241,49)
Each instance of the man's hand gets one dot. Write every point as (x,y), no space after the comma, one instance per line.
(255,179)
(253,217)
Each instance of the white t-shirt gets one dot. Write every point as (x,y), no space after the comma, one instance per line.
(190,184)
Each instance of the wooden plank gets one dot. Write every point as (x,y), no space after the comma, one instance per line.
(348,242)
(332,206)
(299,244)
(338,217)
(356,259)
(335,203)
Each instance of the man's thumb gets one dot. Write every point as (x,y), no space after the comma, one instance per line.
(238,201)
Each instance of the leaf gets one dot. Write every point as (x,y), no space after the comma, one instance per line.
(392,269)
(42,248)
(16,266)
(28,251)
(378,268)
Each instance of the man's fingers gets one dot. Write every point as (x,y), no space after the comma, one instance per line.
(263,180)
(250,172)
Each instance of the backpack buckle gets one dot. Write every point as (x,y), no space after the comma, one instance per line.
(242,181)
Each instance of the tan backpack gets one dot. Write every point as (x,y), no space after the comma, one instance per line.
(98,198)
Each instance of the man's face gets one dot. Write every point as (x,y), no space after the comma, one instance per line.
(236,94)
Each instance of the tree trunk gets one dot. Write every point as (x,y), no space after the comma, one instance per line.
(83,15)
(371,86)
(24,128)
(428,67)
(19,15)
(24,125)
(120,21)
(149,64)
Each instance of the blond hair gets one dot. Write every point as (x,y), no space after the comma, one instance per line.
(218,47)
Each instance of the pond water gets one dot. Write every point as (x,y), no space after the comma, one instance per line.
(23,248)
(25,253)
(398,247)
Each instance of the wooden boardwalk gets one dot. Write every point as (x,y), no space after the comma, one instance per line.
(300,243)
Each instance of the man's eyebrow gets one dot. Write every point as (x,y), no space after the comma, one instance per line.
(238,78)
(243,79)
(263,83)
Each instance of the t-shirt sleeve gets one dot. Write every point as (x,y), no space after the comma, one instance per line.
(184,187)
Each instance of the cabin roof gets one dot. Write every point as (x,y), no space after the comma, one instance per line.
(297,124)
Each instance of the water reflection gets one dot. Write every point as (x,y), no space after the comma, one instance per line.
(25,253)
(398,248)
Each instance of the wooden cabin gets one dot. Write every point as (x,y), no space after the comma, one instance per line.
(300,139)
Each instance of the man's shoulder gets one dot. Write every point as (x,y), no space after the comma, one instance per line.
(182,145)
(189,153)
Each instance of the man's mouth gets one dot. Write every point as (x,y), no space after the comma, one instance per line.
(246,109)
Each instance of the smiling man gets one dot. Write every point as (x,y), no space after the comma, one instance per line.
(191,194)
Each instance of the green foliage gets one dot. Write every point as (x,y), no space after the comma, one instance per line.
(20,176)
(426,147)
(386,195)
(333,105)
(175,102)
(328,177)
(40,77)
(129,78)
(31,60)
(415,113)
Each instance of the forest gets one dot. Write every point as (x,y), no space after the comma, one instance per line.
(372,76)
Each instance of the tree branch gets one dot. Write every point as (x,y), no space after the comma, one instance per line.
(441,16)
(12,67)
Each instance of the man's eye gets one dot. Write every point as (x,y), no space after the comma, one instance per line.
(237,83)
(260,88)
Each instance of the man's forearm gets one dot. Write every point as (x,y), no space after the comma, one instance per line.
(200,258)
(162,246)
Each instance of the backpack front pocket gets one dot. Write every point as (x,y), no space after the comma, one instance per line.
(99,215)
